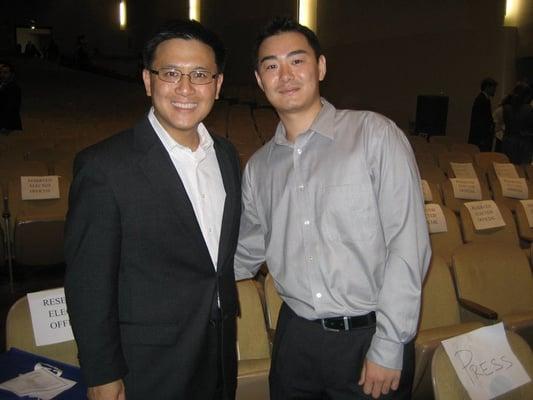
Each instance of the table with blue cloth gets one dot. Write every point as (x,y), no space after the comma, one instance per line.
(15,362)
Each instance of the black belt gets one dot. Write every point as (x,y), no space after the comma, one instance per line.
(338,324)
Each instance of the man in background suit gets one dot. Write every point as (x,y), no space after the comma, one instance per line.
(9,100)
(481,122)
(151,233)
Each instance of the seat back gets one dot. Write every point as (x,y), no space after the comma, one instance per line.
(506,234)
(444,244)
(495,275)
(453,156)
(468,148)
(485,159)
(447,386)
(273,302)
(252,338)
(439,304)
(19,334)
(524,230)
(454,203)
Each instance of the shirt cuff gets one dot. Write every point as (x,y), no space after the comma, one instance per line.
(385,353)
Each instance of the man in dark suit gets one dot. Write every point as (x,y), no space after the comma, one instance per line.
(151,233)
(481,122)
(9,100)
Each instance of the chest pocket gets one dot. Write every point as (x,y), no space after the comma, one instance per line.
(349,213)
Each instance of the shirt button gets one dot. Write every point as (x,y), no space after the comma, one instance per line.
(318,295)
(301,187)
(306,222)
(311,258)
(299,151)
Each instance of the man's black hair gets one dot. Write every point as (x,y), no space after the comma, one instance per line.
(281,25)
(188,30)
(488,82)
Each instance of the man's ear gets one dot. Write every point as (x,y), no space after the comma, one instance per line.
(147,82)
(219,79)
(259,82)
(321,67)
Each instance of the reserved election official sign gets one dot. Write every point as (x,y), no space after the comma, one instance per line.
(49,317)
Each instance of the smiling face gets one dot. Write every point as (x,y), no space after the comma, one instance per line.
(289,73)
(180,107)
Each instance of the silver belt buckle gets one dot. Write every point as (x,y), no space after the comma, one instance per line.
(346,325)
(326,328)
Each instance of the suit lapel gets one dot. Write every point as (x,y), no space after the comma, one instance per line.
(232,198)
(160,171)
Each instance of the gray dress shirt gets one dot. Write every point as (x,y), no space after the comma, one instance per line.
(338,216)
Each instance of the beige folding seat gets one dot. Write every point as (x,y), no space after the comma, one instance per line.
(493,178)
(454,203)
(436,194)
(217,120)
(443,244)
(441,139)
(529,172)
(445,158)
(436,149)
(497,277)
(431,173)
(423,158)
(64,168)
(507,234)
(14,169)
(447,386)
(511,203)
(485,159)
(266,121)
(38,226)
(253,348)
(19,334)
(525,232)
(439,320)
(273,303)
(47,156)
(468,148)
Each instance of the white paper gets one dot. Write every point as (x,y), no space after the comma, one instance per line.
(41,384)
(485,214)
(528,209)
(463,170)
(485,363)
(505,170)
(428,196)
(515,188)
(435,218)
(49,317)
(468,189)
(39,187)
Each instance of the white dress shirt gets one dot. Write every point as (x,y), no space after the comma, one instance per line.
(200,173)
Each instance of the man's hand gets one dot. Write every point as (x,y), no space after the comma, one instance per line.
(378,380)
(110,391)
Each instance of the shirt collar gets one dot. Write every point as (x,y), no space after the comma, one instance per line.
(206,141)
(323,124)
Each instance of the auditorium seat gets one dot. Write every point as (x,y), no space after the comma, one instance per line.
(431,173)
(19,334)
(525,232)
(485,159)
(507,234)
(444,244)
(498,277)
(443,140)
(273,303)
(509,202)
(439,320)
(253,348)
(436,194)
(468,148)
(454,203)
(38,226)
(266,121)
(445,158)
(447,386)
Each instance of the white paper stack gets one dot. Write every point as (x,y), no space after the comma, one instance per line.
(41,384)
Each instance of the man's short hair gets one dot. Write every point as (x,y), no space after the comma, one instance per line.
(488,82)
(188,30)
(281,25)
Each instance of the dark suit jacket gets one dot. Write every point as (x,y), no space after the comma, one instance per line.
(140,283)
(481,123)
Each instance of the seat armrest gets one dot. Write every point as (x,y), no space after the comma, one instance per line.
(478,309)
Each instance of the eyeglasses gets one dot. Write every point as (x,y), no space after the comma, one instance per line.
(172,75)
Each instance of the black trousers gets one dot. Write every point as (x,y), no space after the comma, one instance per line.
(309,362)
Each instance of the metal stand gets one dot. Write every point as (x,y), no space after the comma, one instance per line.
(6,215)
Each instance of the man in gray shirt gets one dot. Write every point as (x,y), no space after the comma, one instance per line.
(333,205)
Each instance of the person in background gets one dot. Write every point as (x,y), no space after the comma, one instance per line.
(10,99)
(518,117)
(333,204)
(481,122)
